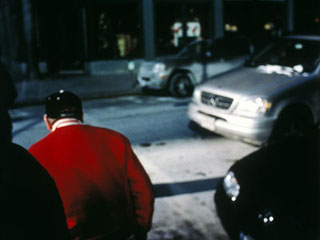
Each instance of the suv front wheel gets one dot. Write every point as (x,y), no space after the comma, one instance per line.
(180,85)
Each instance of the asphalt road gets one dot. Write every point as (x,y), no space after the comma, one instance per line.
(184,165)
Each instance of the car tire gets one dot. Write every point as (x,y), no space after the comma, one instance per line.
(181,85)
(292,123)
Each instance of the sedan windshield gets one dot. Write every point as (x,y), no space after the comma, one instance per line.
(297,54)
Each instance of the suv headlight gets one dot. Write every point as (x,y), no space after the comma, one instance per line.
(252,106)
(159,68)
(196,95)
(231,186)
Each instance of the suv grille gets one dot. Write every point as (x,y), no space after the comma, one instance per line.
(216,100)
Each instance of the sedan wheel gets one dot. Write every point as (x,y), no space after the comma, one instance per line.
(180,85)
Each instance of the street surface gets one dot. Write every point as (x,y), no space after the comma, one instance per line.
(184,165)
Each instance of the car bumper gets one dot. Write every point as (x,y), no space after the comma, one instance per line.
(254,131)
(152,82)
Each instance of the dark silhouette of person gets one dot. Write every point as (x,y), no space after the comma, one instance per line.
(7,98)
(30,204)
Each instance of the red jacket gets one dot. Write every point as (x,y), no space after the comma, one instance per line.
(103,186)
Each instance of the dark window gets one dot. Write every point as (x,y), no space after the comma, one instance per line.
(59,34)
(115,30)
(178,24)
(307,17)
(261,21)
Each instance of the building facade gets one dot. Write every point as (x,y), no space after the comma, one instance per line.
(45,38)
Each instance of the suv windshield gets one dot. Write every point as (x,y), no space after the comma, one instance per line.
(290,53)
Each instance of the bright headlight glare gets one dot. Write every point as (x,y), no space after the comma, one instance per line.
(159,67)
(254,105)
(231,186)
(196,94)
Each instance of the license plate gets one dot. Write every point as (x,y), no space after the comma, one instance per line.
(208,123)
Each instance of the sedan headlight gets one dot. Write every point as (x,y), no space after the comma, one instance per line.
(231,186)
(252,106)
(196,95)
(159,68)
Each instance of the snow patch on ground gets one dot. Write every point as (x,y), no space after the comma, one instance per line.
(190,216)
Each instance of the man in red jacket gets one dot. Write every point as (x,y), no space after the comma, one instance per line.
(105,190)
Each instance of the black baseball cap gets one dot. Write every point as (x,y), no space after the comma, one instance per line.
(63,104)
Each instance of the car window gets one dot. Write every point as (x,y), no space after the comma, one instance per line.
(217,50)
(193,50)
(228,48)
(239,47)
(290,53)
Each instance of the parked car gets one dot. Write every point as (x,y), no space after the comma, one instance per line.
(273,193)
(276,93)
(193,64)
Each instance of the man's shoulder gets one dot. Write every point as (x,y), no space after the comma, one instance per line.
(111,137)
(41,144)
(108,132)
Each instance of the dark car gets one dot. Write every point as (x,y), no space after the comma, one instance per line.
(273,193)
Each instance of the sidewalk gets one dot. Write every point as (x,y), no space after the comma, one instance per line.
(98,86)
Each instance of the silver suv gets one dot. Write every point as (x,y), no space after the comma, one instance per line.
(275,94)
(196,62)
